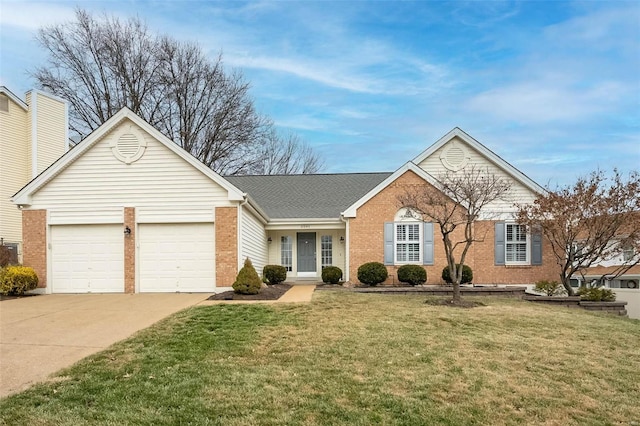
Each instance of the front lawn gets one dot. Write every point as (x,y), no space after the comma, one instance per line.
(354,359)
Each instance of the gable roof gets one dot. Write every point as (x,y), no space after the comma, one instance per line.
(23,196)
(22,104)
(409,166)
(490,155)
(316,196)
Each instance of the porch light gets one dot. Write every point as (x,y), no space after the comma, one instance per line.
(341,240)
(269,240)
(127,231)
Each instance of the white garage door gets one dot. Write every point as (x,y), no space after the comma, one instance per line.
(177,257)
(87,259)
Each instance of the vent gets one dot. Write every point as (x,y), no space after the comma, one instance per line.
(454,157)
(4,103)
(128,145)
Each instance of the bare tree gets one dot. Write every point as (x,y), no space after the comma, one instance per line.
(589,222)
(456,202)
(103,64)
(288,154)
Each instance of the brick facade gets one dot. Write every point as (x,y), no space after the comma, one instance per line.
(34,245)
(130,251)
(226,229)
(367,243)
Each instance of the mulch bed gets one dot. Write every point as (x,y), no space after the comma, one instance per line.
(272,292)
(3,297)
(449,302)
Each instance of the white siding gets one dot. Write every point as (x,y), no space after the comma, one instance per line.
(519,193)
(14,169)
(253,241)
(51,129)
(160,178)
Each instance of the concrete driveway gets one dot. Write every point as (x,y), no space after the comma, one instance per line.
(40,335)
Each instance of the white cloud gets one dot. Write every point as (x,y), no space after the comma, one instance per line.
(31,16)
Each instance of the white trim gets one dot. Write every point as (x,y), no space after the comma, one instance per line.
(420,243)
(351,211)
(34,135)
(22,104)
(527,249)
(23,196)
(490,155)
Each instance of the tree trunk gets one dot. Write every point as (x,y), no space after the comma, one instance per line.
(566,283)
(456,293)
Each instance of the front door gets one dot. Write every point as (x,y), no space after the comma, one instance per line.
(307,253)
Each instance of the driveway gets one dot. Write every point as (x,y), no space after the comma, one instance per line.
(40,335)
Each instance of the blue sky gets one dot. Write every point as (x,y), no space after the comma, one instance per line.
(552,87)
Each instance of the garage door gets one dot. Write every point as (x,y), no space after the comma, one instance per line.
(87,259)
(177,257)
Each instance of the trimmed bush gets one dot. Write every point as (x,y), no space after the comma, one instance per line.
(274,274)
(247,281)
(467,274)
(550,288)
(372,273)
(596,294)
(15,280)
(331,275)
(412,274)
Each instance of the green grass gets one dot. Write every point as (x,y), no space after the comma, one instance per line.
(354,359)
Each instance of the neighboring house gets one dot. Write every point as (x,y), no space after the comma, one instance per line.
(621,274)
(33,134)
(128,210)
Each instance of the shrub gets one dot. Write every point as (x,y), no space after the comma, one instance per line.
(331,274)
(412,274)
(247,281)
(274,274)
(550,288)
(596,294)
(372,273)
(467,274)
(15,280)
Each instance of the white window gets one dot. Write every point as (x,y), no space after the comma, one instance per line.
(326,242)
(628,253)
(286,252)
(517,244)
(408,238)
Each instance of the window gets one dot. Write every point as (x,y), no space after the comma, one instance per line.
(627,254)
(326,247)
(407,242)
(517,244)
(286,252)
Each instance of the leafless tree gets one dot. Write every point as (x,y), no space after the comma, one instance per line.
(456,202)
(103,64)
(287,154)
(589,222)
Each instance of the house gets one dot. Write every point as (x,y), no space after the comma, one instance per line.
(128,210)
(33,134)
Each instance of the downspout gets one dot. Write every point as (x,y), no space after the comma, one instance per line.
(245,200)
(346,248)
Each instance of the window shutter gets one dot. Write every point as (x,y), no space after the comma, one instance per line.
(499,243)
(536,246)
(427,248)
(388,243)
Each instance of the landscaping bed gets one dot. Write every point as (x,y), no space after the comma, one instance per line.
(271,292)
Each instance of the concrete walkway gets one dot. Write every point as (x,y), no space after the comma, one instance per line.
(298,293)
(40,335)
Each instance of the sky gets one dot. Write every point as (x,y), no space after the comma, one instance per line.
(553,87)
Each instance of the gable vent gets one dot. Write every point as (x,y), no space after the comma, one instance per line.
(128,145)
(454,157)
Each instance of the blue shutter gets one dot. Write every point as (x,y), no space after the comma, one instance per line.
(499,243)
(536,246)
(427,247)
(388,243)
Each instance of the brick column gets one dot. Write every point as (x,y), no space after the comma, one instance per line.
(226,229)
(130,251)
(34,243)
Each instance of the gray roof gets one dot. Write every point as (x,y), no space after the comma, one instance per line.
(307,196)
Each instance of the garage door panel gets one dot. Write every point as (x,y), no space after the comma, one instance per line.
(87,258)
(177,257)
